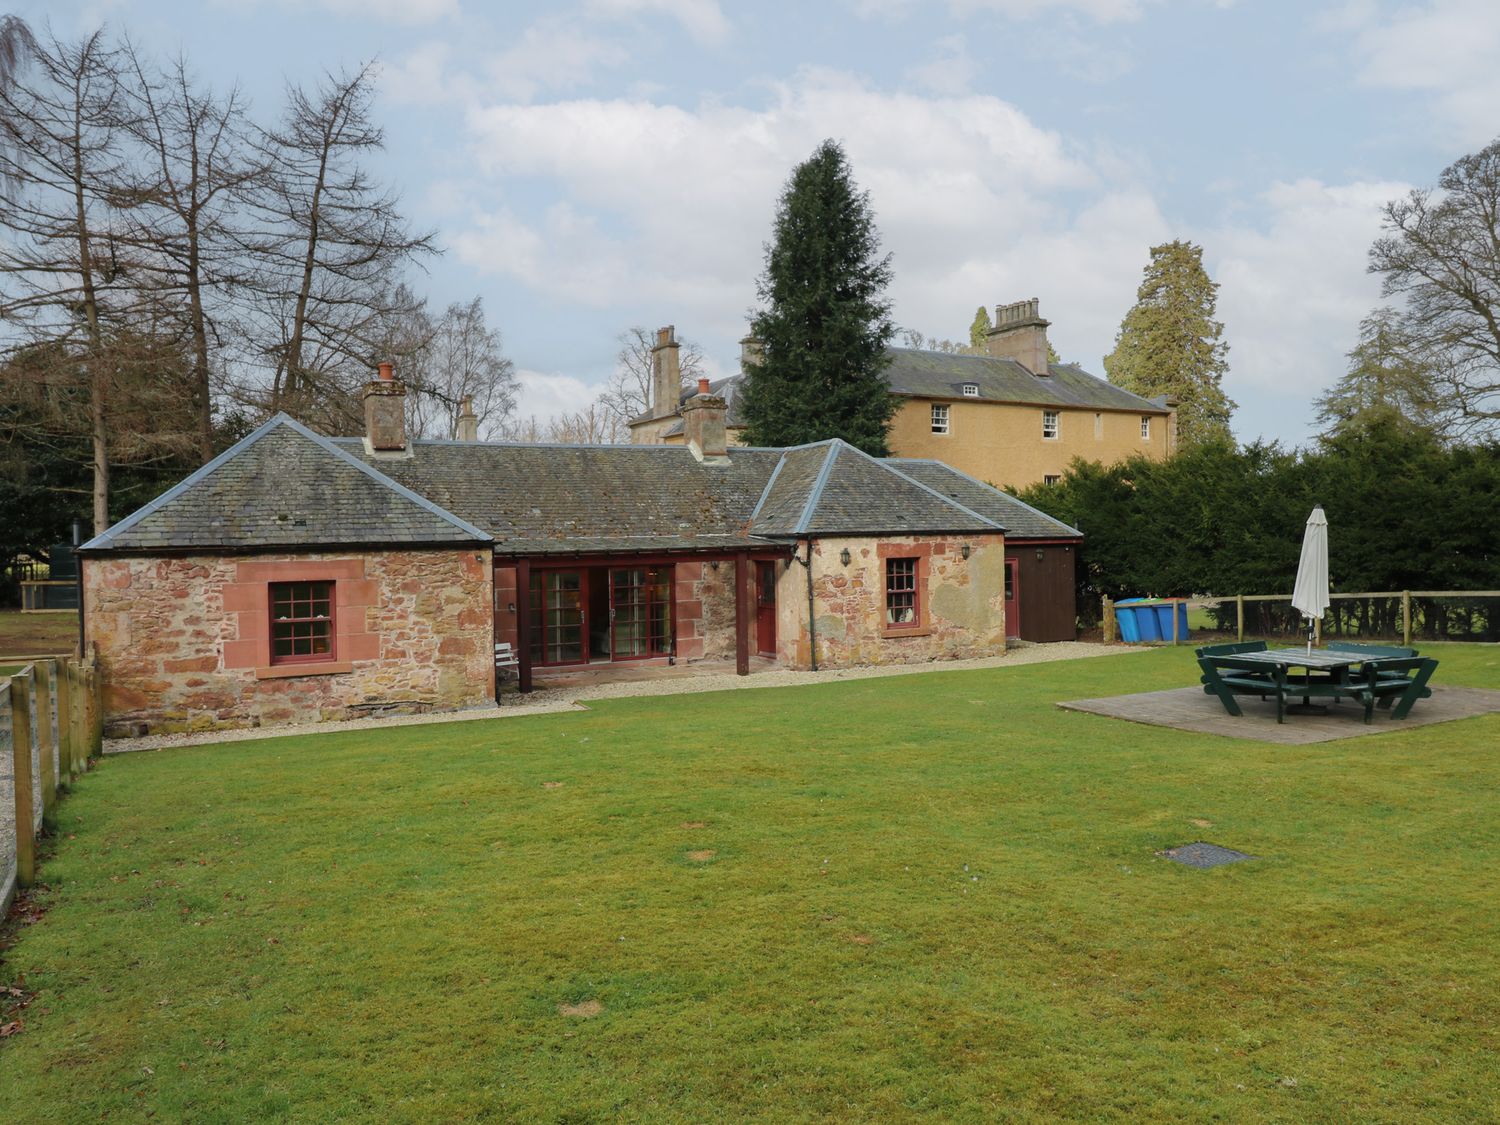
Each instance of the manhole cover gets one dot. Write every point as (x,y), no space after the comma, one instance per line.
(1203,855)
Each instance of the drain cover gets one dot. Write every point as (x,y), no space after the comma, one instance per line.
(1200,854)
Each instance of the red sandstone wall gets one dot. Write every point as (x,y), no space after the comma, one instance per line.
(963,603)
(184,643)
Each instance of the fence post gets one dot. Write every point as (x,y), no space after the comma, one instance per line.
(1406,617)
(1239,617)
(21,776)
(1109,620)
(46,747)
(96,701)
(80,719)
(61,685)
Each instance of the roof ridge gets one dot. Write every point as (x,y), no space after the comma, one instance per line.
(880,462)
(815,493)
(764,492)
(395,486)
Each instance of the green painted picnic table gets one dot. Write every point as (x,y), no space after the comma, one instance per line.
(1327,673)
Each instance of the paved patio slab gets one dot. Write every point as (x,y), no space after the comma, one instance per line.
(1190,709)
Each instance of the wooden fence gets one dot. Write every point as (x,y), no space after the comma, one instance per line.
(1402,598)
(50,730)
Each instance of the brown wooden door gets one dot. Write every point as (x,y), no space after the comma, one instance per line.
(1012,598)
(765,608)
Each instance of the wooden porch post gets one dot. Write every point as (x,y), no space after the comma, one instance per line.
(742,570)
(523,623)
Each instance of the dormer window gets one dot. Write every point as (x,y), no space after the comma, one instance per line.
(971,390)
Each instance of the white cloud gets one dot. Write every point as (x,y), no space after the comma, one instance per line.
(407,12)
(948,70)
(702,19)
(545,394)
(658,214)
(554,53)
(428,77)
(1292,293)
(1104,11)
(669,207)
(1448,48)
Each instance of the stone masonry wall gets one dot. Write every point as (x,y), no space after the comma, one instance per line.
(184,642)
(962,602)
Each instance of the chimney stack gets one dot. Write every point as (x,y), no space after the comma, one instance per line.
(703,425)
(666,373)
(468,421)
(752,351)
(385,413)
(1020,334)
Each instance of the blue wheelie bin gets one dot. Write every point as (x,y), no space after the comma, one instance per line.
(1125,610)
(1146,620)
(1164,620)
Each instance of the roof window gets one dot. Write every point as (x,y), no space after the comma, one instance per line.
(971,390)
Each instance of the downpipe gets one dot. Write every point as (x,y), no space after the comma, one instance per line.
(812,620)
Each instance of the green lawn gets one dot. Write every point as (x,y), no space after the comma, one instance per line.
(34,634)
(931,897)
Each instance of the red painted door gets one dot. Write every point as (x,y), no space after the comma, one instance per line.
(765,608)
(1012,599)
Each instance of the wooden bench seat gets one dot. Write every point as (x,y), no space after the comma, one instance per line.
(1394,683)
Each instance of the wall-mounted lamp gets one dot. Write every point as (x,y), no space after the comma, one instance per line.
(714,564)
(844,556)
(511,607)
(965,551)
(1040,554)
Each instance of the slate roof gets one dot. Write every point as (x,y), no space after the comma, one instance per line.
(729,390)
(943,375)
(547,499)
(831,488)
(924,374)
(1021,521)
(284,486)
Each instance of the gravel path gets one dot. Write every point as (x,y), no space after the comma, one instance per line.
(573,698)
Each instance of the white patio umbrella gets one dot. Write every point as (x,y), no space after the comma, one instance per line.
(1310,595)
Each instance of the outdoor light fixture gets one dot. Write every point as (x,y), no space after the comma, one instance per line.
(511,607)
(965,551)
(844,556)
(1040,554)
(714,564)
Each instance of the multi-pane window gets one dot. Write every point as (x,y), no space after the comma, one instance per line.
(940,417)
(1051,478)
(1049,424)
(902,605)
(971,390)
(301,622)
(1145,427)
(1098,427)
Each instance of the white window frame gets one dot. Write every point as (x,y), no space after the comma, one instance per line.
(940,418)
(1051,425)
(1145,427)
(971,390)
(1051,479)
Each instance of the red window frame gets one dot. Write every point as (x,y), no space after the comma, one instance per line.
(304,615)
(903,591)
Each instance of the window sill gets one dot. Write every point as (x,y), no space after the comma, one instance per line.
(892,633)
(312,668)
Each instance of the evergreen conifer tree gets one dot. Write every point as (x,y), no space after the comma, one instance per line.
(826,322)
(980,329)
(1170,344)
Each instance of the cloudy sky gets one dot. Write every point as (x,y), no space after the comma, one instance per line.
(596,164)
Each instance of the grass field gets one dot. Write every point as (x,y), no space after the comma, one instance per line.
(928,897)
(37,634)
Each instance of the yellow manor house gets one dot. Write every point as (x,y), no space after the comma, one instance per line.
(1009,417)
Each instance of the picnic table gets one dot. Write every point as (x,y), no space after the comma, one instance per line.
(1374,676)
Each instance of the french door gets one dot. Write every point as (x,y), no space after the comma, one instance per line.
(640,614)
(558,633)
(640,610)
(765,608)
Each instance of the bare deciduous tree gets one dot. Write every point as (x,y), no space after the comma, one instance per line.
(1441,251)
(67,271)
(462,360)
(628,393)
(331,245)
(195,159)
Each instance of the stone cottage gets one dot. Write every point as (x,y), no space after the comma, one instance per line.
(298,577)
